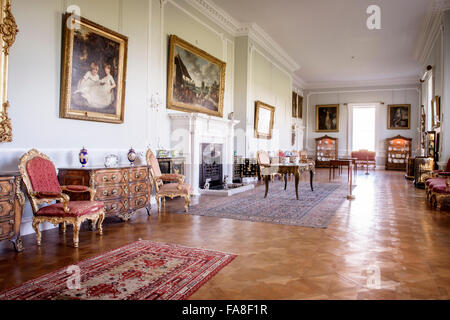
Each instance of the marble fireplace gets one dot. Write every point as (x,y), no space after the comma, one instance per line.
(190,132)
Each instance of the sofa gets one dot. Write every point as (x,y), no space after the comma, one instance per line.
(364,157)
(438,187)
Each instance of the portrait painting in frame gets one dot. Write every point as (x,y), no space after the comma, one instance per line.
(399,116)
(327,118)
(196,79)
(93,72)
(436,111)
(264,120)
(300,107)
(294,105)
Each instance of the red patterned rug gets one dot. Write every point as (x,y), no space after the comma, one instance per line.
(143,270)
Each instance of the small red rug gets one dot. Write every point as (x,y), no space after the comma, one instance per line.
(143,270)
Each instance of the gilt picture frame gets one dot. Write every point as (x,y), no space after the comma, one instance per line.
(264,120)
(8,33)
(195,79)
(436,111)
(93,77)
(327,118)
(399,116)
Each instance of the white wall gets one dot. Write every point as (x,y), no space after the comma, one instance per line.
(406,95)
(264,80)
(35,67)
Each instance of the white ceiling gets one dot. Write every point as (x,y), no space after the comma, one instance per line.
(323,35)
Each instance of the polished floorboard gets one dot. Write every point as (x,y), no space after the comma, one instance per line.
(388,230)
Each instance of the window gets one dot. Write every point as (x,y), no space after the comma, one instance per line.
(364,128)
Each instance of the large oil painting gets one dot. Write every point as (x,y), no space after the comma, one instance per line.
(196,80)
(93,73)
(327,118)
(399,116)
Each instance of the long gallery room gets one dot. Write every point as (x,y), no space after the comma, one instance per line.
(224,150)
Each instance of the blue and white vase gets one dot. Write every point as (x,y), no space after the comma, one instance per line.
(83,157)
(132,156)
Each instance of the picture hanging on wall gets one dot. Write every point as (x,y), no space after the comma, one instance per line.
(300,107)
(264,120)
(327,118)
(436,112)
(399,116)
(294,104)
(93,72)
(196,79)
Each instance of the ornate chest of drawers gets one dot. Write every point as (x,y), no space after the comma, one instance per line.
(12,202)
(123,190)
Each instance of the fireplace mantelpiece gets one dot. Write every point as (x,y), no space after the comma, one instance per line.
(190,130)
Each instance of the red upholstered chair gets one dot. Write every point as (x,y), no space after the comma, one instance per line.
(40,179)
(170,190)
(365,158)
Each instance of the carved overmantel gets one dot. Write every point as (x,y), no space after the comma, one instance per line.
(8,33)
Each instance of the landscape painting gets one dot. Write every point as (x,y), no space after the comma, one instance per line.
(196,80)
(94,72)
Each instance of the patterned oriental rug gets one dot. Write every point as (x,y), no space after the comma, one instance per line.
(313,209)
(143,270)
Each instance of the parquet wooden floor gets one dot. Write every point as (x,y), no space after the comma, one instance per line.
(388,228)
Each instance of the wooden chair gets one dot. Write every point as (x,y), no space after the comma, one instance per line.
(40,179)
(170,190)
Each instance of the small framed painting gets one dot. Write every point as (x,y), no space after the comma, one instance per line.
(436,111)
(327,118)
(300,107)
(93,72)
(264,119)
(399,116)
(294,104)
(196,79)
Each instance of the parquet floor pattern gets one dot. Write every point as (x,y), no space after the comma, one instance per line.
(388,230)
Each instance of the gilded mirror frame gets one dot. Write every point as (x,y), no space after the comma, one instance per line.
(8,32)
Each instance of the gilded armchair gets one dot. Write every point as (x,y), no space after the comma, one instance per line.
(41,181)
(174,189)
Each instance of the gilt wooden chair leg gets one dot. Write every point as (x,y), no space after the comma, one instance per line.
(38,232)
(63,227)
(158,202)
(100,222)
(76,233)
(186,203)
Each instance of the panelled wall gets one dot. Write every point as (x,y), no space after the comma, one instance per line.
(395,95)
(34,87)
(439,58)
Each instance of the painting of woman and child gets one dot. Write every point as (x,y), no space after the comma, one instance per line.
(195,80)
(94,73)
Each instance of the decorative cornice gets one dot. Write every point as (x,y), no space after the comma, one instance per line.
(216,14)
(298,82)
(364,83)
(252,30)
(431,30)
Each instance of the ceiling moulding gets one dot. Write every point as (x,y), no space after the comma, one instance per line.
(252,30)
(298,82)
(360,84)
(431,30)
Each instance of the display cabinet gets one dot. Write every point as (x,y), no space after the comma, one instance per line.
(410,169)
(326,150)
(423,169)
(398,151)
